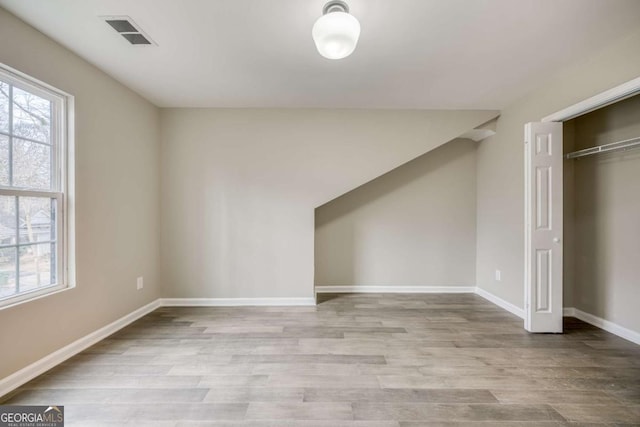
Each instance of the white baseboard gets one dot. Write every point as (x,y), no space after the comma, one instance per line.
(395,289)
(234,302)
(604,324)
(39,367)
(501,303)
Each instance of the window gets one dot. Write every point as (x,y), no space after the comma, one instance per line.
(32,188)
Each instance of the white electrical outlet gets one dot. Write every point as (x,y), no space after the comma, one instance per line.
(140,283)
(498,276)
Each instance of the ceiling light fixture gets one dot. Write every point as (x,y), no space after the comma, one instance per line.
(336,32)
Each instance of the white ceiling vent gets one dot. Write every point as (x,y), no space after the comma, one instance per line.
(127,28)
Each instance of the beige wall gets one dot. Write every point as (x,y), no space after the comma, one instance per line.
(240,188)
(606,198)
(500,241)
(117,202)
(414,226)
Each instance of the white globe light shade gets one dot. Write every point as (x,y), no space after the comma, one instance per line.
(336,34)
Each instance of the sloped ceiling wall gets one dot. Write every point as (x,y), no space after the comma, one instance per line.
(413,226)
(240,188)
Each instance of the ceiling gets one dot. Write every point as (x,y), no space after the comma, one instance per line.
(449,54)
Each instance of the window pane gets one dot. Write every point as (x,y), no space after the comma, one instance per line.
(35,266)
(7,271)
(31,116)
(37,217)
(7,220)
(4,107)
(31,165)
(4,160)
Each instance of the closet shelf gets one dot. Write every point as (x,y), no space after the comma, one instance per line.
(614,146)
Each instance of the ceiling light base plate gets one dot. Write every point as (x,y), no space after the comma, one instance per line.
(335,6)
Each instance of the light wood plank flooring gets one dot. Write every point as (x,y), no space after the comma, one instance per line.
(354,360)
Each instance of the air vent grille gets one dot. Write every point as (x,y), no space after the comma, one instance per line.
(128,29)
(136,38)
(122,26)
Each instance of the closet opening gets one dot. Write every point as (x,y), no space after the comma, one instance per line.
(601,269)
(582,201)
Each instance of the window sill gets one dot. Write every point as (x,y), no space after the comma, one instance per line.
(33,296)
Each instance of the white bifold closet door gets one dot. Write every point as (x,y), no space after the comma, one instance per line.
(543,227)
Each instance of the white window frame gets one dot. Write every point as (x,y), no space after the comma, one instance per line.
(61,180)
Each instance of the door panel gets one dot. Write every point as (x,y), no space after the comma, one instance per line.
(543,227)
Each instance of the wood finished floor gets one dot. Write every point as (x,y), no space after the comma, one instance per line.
(354,360)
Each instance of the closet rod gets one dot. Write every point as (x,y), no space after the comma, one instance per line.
(614,146)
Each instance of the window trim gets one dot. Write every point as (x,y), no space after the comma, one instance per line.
(62,182)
